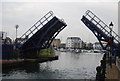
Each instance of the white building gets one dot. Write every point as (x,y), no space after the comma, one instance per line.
(97,46)
(4,39)
(3,35)
(73,43)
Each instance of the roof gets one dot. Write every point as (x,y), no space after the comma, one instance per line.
(74,38)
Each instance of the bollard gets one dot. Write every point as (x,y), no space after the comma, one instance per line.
(101,70)
(103,65)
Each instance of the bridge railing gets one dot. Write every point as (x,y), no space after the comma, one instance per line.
(101,25)
(40,23)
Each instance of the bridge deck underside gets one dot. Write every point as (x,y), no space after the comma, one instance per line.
(101,36)
(43,37)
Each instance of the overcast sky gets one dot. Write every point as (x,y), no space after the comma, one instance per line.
(25,14)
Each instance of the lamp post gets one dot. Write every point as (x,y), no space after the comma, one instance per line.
(110,42)
(16,45)
(16,26)
(111,27)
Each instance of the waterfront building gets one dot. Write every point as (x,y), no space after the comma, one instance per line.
(73,43)
(83,45)
(6,46)
(89,46)
(4,39)
(3,35)
(97,46)
(63,45)
(56,43)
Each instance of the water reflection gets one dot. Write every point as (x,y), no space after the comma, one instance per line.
(69,66)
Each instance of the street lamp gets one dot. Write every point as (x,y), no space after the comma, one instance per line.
(16,26)
(111,27)
(111,41)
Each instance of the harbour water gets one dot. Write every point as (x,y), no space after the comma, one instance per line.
(69,66)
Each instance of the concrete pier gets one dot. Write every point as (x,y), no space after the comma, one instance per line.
(42,59)
(15,63)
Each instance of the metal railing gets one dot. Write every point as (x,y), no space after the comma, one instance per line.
(101,25)
(40,23)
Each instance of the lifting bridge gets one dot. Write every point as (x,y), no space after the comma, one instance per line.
(102,32)
(41,34)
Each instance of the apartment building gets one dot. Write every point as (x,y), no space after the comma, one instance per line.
(73,43)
